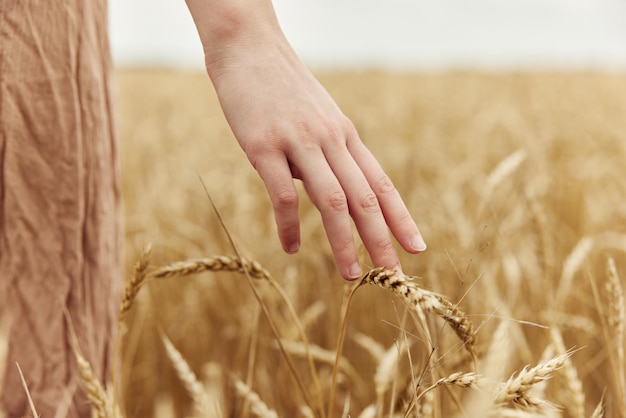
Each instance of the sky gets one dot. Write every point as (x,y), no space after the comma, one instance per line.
(400,34)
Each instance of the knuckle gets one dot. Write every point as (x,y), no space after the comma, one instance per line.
(405,218)
(349,128)
(384,246)
(336,201)
(369,203)
(286,199)
(384,185)
(258,152)
(334,133)
(289,230)
(348,124)
(343,245)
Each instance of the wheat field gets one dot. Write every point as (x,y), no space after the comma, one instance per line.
(517,181)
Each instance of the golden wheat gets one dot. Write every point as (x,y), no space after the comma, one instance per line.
(258,407)
(137,280)
(504,169)
(100,403)
(188,377)
(450,134)
(517,389)
(575,396)
(598,412)
(213,264)
(322,355)
(387,371)
(426,300)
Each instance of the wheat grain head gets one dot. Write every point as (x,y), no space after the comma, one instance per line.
(257,406)
(426,300)
(188,377)
(516,389)
(213,264)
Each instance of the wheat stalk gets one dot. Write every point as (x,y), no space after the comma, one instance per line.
(426,300)
(31,404)
(427,405)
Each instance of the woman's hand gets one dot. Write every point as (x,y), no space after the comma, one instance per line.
(289,127)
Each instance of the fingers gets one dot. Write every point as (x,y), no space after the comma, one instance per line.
(396,214)
(364,209)
(343,182)
(277,177)
(329,197)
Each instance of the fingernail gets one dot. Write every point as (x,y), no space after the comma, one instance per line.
(354,272)
(294,248)
(417,243)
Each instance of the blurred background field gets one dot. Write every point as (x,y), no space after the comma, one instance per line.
(502,125)
(516,180)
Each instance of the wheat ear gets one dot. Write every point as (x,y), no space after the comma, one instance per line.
(460,379)
(214,264)
(257,406)
(516,389)
(504,169)
(95,391)
(426,300)
(188,377)
(137,280)
(539,223)
(598,412)
(101,406)
(369,344)
(250,268)
(571,265)
(322,355)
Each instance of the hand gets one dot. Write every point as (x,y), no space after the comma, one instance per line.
(290,127)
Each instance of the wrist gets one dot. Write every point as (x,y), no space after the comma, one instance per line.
(233,30)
